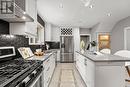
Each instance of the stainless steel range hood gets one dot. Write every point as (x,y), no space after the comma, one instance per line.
(13,13)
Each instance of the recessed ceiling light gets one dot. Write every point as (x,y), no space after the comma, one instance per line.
(109,14)
(24,17)
(24,12)
(91,6)
(61,5)
(86,4)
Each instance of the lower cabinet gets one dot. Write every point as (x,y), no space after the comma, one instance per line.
(49,66)
(101,74)
(86,69)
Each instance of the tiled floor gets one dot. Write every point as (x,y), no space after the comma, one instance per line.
(66,75)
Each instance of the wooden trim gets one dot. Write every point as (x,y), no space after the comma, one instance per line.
(127,80)
(128,71)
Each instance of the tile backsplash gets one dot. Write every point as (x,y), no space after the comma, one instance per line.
(4,27)
(13,40)
(17,41)
(21,41)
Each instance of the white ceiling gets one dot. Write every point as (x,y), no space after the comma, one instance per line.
(74,13)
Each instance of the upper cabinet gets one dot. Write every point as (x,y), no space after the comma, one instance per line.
(40,36)
(26,28)
(31,8)
(40,39)
(15,10)
(52,32)
(48,28)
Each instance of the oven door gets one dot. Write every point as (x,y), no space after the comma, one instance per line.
(37,82)
(33,79)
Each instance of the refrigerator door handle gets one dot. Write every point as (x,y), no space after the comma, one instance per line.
(62,45)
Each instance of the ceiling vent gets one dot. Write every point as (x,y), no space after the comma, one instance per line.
(66,31)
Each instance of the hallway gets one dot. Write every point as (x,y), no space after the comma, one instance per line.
(66,75)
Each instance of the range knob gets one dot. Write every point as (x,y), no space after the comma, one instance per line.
(32,75)
(23,84)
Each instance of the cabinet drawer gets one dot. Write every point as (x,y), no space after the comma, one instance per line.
(46,61)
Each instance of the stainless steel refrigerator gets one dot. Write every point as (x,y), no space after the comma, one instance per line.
(67,49)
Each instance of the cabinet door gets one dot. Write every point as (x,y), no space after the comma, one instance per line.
(58,55)
(31,28)
(80,64)
(48,32)
(90,73)
(86,69)
(31,9)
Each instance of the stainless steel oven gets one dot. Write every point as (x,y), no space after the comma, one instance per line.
(34,79)
(19,72)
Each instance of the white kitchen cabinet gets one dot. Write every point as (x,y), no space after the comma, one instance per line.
(26,28)
(90,73)
(52,33)
(39,40)
(31,9)
(58,55)
(41,33)
(55,33)
(48,29)
(100,73)
(49,66)
(86,69)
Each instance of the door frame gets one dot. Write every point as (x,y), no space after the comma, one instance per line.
(125,37)
(86,35)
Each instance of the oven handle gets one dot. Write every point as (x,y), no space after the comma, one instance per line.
(38,77)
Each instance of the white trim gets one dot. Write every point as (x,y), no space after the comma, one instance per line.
(87,35)
(13,54)
(125,37)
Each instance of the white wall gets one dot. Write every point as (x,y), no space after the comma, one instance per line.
(55,33)
(84,30)
(94,32)
(76,40)
(117,35)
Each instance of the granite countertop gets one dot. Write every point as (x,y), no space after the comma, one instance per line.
(42,58)
(47,54)
(103,57)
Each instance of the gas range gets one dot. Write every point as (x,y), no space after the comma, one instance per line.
(19,72)
(11,70)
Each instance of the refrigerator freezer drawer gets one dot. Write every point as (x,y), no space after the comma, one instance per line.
(67,57)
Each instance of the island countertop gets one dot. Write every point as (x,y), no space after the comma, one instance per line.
(103,57)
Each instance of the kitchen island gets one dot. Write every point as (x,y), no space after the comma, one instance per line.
(101,70)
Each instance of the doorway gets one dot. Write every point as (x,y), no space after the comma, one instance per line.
(85,40)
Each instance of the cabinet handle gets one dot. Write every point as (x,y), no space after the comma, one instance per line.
(85,62)
(48,80)
(48,60)
(48,69)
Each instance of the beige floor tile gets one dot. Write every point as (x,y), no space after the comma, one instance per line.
(67,85)
(66,75)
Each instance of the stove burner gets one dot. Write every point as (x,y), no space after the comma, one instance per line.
(11,68)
